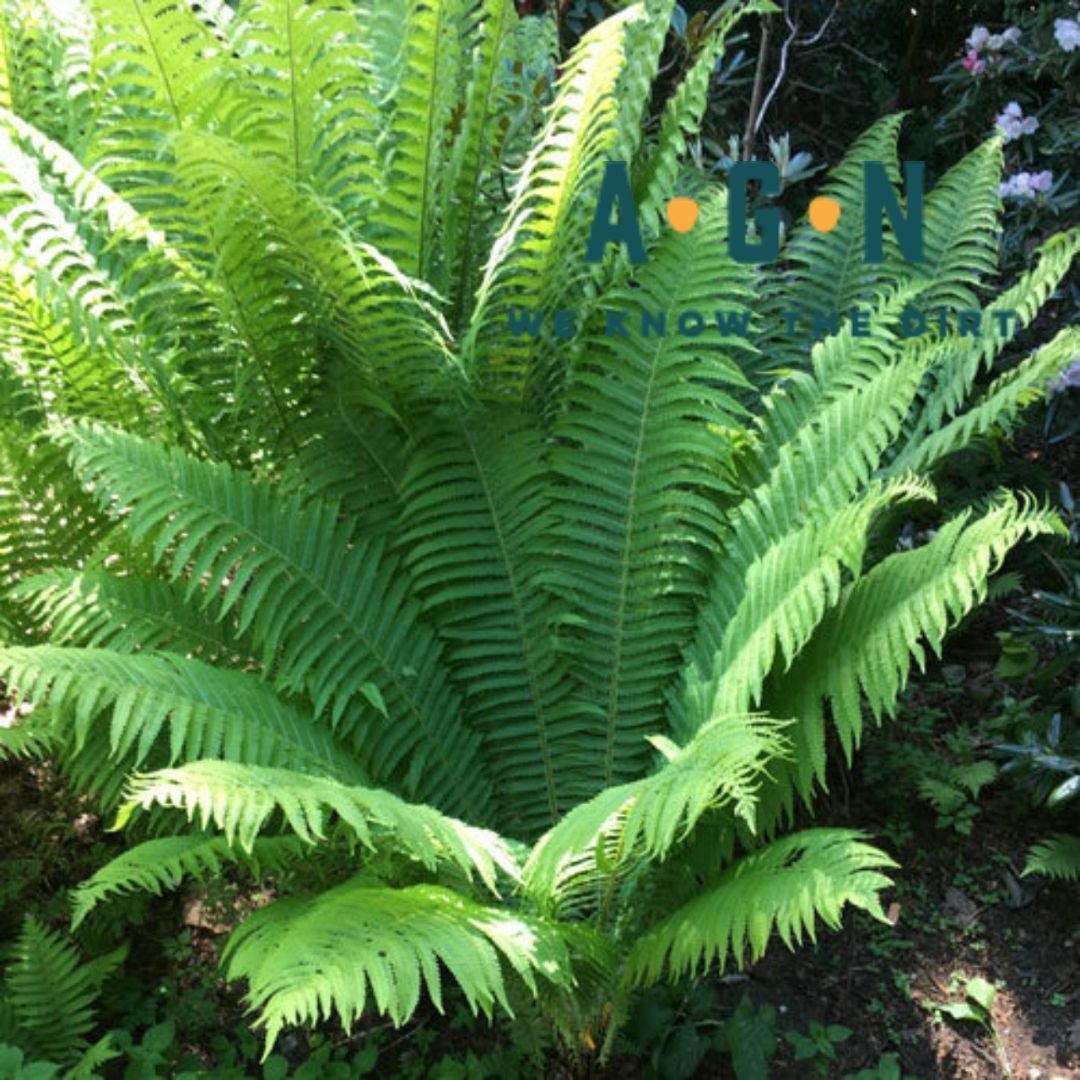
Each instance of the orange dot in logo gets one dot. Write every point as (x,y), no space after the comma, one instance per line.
(824,213)
(682,213)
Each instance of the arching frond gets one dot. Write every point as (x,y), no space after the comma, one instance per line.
(1058,857)
(329,612)
(241,799)
(157,865)
(784,887)
(167,706)
(721,766)
(306,959)
(866,645)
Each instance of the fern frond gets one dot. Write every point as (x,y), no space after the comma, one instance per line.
(163,705)
(960,230)
(1003,400)
(329,612)
(721,766)
(642,455)
(51,993)
(477,516)
(1058,857)
(865,646)
(784,887)
(307,959)
(825,272)
(128,614)
(157,865)
(241,799)
(538,255)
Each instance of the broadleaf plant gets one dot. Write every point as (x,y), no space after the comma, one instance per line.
(532,643)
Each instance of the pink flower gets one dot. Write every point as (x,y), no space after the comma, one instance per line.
(972,63)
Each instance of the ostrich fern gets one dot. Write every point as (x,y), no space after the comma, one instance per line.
(533,643)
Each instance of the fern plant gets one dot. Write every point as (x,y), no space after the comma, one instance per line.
(47,1002)
(533,644)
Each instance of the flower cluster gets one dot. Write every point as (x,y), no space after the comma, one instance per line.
(1026,185)
(1069,379)
(981,39)
(1013,123)
(1067,34)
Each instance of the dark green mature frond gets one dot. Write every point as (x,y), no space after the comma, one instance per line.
(825,272)
(640,462)
(474,154)
(46,519)
(307,958)
(157,865)
(329,611)
(26,736)
(126,614)
(721,766)
(784,887)
(866,645)
(166,706)
(51,994)
(477,517)
(1057,857)
(242,799)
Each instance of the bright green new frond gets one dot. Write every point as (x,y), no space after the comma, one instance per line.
(300,92)
(957,360)
(655,177)
(51,993)
(329,612)
(165,707)
(241,800)
(1006,396)
(867,643)
(788,591)
(784,887)
(643,453)
(158,865)
(155,67)
(307,959)
(1058,857)
(537,256)
(721,766)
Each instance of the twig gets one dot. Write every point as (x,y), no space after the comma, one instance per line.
(758,107)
